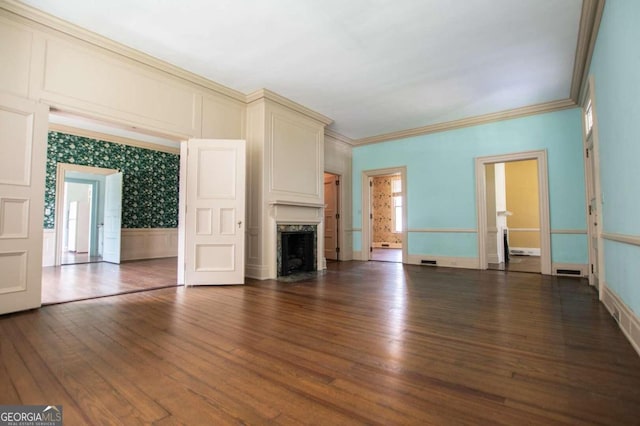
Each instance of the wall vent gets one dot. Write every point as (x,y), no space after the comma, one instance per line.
(569,272)
(428,262)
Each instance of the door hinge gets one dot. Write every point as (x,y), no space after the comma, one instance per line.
(337,249)
(592,270)
(337,182)
(337,215)
(370,249)
(371,216)
(586,152)
(370,183)
(590,209)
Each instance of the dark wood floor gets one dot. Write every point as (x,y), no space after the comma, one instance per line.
(387,254)
(519,264)
(85,281)
(365,343)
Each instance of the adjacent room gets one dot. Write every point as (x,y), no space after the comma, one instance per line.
(400,212)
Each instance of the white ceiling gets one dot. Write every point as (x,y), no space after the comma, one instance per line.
(373,66)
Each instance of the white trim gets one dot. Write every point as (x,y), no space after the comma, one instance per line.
(61,170)
(445,230)
(622,238)
(338,136)
(357,255)
(569,231)
(584,269)
(470,121)
(543,198)
(62,128)
(48,247)
(365,207)
(445,261)
(274,97)
(627,320)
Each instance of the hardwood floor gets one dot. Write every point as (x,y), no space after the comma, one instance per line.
(519,264)
(84,281)
(366,342)
(387,254)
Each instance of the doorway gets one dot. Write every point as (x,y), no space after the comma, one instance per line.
(384,215)
(513,218)
(493,240)
(331,216)
(82,223)
(87,197)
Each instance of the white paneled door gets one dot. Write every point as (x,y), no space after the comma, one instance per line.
(112,218)
(214,212)
(23,147)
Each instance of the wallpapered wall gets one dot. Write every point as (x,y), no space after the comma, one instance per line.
(383,209)
(150,178)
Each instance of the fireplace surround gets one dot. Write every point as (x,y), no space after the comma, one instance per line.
(296,248)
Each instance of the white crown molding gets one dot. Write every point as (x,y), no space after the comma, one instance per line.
(274,97)
(471,121)
(337,136)
(590,18)
(56,25)
(111,138)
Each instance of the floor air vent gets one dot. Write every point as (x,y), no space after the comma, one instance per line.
(428,262)
(569,272)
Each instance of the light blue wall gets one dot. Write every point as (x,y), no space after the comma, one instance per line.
(441,180)
(616,69)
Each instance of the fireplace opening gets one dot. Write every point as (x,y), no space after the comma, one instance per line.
(297,252)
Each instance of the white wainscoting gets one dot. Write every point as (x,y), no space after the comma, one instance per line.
(149,243)
(627,320)
(49,247)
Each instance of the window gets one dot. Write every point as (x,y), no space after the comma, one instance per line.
(588,118)
(396,194)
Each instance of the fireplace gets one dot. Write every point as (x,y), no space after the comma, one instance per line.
(296,249)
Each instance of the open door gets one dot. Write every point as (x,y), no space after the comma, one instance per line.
(331,217)
(23,147)
(214,212)
(112,218)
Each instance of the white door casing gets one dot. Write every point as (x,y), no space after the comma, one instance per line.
(331,220)
(112,218)
(214,234)
(543,199)
(23,147)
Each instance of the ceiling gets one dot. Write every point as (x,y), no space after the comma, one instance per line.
(373,66)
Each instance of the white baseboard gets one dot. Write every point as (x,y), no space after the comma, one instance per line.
(448,261)
(258,272)
(493,258)
(387,245)
(49,247)
(528,251)
(564,269)
(627,320)
(148,243)
(357,255)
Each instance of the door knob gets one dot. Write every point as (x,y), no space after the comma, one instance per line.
(239,223)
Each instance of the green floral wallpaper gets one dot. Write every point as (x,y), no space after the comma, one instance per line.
(150,178)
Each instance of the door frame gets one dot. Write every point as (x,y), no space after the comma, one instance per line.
(61,170)
(543,200)
(367,233)
(93,212)
(592,168)
(339,238)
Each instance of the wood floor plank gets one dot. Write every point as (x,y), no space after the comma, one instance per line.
(363,343)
